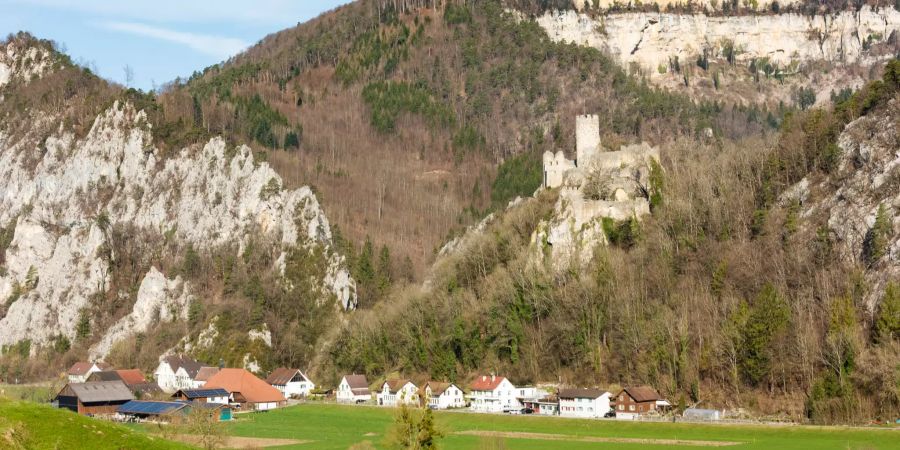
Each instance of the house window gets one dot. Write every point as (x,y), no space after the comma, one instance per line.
(621,407)
(631,407)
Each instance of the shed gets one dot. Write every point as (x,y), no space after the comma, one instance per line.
(203,395)
(152,409)
(96,397)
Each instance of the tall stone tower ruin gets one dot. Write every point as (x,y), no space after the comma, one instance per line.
(587,138)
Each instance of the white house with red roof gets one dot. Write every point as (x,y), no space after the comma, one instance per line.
(353,389)
(81,370)
(490,393)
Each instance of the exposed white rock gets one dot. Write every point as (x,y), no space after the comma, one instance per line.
(19,61)
(158,299)
(868,176)
(262,334)
(66,193)
(760,5)
(651,39)
(251,363)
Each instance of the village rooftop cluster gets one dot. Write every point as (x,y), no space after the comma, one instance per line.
(181,384)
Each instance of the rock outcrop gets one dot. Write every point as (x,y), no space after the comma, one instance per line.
(867,179)
(60,196)
(651,40)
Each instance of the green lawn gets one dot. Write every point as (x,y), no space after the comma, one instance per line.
(30,425)
(338,427)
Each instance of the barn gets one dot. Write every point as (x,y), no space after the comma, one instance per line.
(94,398)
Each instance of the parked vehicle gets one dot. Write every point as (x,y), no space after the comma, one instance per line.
(610,414)
(526,411)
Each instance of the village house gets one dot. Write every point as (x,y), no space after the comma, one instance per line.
(584,402)
(93,398)
(493,394)
(203,395)
(545,406)
(291,382)
(80,371)
(203,375)
(246,389)
(637,401)
(353,389)
(444,395)
(396,392)
(133,378)
(177,372)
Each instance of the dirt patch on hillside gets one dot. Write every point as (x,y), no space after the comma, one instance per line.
(244,442)
(614,440)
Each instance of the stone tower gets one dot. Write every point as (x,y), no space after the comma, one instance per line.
(587,138)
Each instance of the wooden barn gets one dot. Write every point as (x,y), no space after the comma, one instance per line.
(94,398)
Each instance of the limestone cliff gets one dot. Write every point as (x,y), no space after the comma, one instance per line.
(867,179)
(61,195)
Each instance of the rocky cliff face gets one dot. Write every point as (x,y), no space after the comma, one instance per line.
(651,39)
(867,179)
(60,196)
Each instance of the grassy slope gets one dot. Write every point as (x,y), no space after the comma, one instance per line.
(41,426)
(338,427)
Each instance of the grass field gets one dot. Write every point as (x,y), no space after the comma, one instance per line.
(27,425)
(338,427)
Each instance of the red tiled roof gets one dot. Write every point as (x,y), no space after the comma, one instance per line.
(486,383)
(80,368)
(131,376)
(245,383)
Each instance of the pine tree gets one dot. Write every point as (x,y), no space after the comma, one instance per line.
(887,324)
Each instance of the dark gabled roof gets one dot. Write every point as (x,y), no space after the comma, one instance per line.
(100,391)
(642,394)
(205,373)
(282,376)
(191,366)
(106,375)
(82,367)
(581,393)
(151,408)
(357,381)
(202,393)
(437,387)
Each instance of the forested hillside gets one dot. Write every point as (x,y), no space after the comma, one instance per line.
(736,292)
(412,119)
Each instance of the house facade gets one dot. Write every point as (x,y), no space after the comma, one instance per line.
(545,406)
(396,392)
(353,389)
(583,402)
(444,395)
(291,382)
(176,372)
(80,371)
(493,394)
(217,396)
(633,402)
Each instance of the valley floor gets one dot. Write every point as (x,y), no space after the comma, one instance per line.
(328,426)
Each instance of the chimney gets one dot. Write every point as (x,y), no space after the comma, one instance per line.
(493,377)
(483,378)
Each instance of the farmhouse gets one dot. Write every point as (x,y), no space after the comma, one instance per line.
(493,394)
(177,372)
(132,378)
(396,392)
(637,401)
(203,395)
(583,402)
(291,382)
(353,389)
(246,389)
(80,371)
(444,395)
(97,397)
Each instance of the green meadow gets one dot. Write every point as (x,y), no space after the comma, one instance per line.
(328,426)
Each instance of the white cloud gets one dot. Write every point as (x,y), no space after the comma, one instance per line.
(259,12)
(219,46)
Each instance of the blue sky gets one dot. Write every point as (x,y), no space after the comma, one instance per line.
(160,39)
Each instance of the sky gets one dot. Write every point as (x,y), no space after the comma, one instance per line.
(158,40)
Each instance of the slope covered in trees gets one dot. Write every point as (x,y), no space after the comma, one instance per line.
(409,117)
(725,296)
